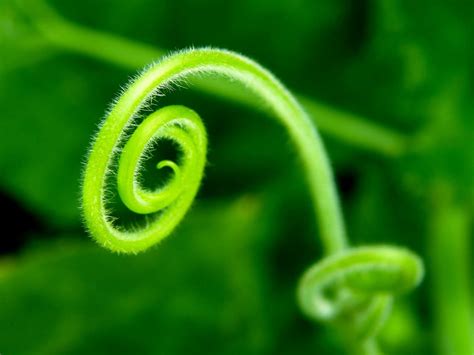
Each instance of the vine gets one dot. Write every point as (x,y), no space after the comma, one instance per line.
(61,33)
(350,283)
(362,281)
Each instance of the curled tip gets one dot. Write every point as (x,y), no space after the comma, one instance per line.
(172,200)
(362,282)
(168,164)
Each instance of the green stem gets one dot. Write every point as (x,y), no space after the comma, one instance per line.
(366,277)
(449,247)
(157,77)
(370,347)
(344,126)
(98,45)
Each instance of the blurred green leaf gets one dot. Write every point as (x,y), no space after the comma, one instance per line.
(49,113)
(202,288)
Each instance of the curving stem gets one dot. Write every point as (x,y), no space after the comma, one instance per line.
(361,280)
(155,78)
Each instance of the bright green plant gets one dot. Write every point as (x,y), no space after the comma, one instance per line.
(56,32)
(353,286)
(429,88)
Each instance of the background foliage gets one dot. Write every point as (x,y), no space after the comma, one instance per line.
(225,281)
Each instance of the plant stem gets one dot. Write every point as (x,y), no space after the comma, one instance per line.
(370,347)
(346,127)
(180,66)
(451,277)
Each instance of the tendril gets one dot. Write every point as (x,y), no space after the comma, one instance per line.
(177,123)
(355,287)
(185,128)
(355,284)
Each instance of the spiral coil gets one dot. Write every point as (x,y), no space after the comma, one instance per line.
(356,287)
(354,284)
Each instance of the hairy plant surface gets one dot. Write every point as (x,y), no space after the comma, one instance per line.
(387,85)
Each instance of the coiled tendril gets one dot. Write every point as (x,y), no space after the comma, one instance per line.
(361,280)
(354,289)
